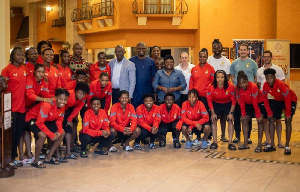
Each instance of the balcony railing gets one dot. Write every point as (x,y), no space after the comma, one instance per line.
(103,9)
(161,7)
(82,14)
(60,22)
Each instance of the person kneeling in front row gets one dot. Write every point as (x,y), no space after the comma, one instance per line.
(95,129)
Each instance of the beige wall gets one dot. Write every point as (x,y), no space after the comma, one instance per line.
(4,32)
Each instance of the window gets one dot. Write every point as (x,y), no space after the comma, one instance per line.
(43,11)
(158,6)
(61,8)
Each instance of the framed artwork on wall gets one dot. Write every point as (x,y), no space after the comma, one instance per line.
(225,52)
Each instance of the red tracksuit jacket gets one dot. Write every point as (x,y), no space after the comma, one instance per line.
(77,104)
(95,71)
(120,120)
(168,117)
(148,119)
(96,91)
(194,115)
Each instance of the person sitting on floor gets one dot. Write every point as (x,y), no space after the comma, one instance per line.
(170,120)
(195,119)
(95,129)
(123,121)
(45,120)
(148,121)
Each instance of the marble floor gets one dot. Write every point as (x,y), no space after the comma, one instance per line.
(163,169)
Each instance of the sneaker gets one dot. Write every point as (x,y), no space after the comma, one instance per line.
(287,151)
(152,146)
(188,145)
(128,148)
(183,139)
(209,142)
(249,141)
(137,146)
(162,143)
(236,140)
(101,151)
(112,149)
(196,142)
(176,144)
(204,145)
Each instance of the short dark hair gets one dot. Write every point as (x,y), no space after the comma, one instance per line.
(245,45)
(39,46)
(82,86)
(193,91)
(101,53)
(63,52)
(217,41)
(95,99)
(122,92)
(148,95)
(169,94)
(37,66)
(241,75)
(27,52)
(268,51)
(203,50)
(168,57)
(61,91)
(269,71)
(47,49)
(80,72)
(102,74)
(11,57)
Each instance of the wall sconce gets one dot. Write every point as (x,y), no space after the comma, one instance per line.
(48,8)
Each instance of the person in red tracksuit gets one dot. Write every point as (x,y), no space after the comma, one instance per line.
(95,129)
(195,119)
(202,75)
(40,47)
(221,101)
(36,91)
(148,121)
(99,67)
(284,99)
(45,120)
(170,119)
(76,101)
(250,100)
(31,56)
(51,72)
(15,73)
(80,76)
(64,72)
(123,121)
(101,88)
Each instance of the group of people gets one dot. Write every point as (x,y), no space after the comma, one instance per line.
(141,99)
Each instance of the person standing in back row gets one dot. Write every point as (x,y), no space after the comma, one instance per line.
(249,66)
(145,72)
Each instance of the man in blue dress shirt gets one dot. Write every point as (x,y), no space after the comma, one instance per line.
(145,72)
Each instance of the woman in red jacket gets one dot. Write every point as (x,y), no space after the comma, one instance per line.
(64,72)
(123,121)
(251,103)
(45,120)
(221,101)
(284,99)
(95,129)
(148,121)
(15,73)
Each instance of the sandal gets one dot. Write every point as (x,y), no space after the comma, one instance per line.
(224,139)
(214,146)
(38,164)
(72,156)
(269,148)
(243,147)
(63,160)
(18,163)
(52,161)
(281,146)
(264,143)
(83,154)
(231,147)
(287,151)
(258,149)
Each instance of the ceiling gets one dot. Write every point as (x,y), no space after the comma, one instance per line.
(21,3)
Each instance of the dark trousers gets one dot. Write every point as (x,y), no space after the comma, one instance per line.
(145,133)
(183,98)
(67,128)
(237,122)
(164,128)
(86,139)
(115,98)
(18,128)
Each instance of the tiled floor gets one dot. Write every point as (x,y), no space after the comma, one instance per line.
(163,169)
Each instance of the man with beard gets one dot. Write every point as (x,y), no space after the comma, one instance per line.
(145,72)
(76,61)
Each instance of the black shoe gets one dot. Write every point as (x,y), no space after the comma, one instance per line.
(162,143)
(269,148)
(287,151)
(231,147)
(224,139)
(236,140)
(101,152)
(249,141)
(176,144)
(214,146)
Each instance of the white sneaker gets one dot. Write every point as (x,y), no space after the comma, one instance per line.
(112,149)
(196,142)
(208,142)
(128,148)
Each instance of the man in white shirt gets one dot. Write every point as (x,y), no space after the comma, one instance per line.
(261,79)
(185,67)
(219,62)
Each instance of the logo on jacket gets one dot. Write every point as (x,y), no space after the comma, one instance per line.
(206,72)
